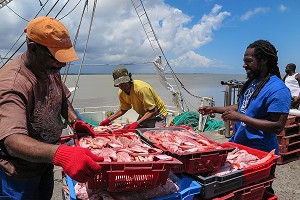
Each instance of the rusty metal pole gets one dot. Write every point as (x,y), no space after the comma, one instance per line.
(228,94)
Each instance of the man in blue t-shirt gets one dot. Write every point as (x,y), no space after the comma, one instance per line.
(263,103)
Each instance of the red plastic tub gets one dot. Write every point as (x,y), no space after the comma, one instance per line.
(193,163)
(128,176)
(253,192)
(258,172)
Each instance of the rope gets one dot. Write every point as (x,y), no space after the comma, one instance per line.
(86,44)
(183,101)
(17,14)
(22,35)
(11,49)
(75,41)
(62,9)
(70,11)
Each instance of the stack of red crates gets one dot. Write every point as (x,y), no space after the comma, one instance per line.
(289,141)
(247,184)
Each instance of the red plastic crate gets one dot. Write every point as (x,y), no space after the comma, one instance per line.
(117,177)
(258,172)
(269,196)
(253,192)
(193,163)
(200,162)
(128,176)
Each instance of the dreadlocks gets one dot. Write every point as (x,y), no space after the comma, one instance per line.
(263,49)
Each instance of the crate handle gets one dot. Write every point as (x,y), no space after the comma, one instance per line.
(138,168)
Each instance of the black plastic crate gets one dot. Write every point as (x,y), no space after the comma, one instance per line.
(215,185)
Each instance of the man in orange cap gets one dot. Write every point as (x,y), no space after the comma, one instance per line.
(32,100)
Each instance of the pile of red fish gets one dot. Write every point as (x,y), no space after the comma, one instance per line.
(181,142)
(122,148)
(239,159)
(108,129)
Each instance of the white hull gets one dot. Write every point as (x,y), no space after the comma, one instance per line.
(97,114)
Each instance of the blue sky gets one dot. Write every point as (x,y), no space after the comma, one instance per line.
(197,36)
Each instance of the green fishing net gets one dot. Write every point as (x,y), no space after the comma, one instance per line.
(191,119)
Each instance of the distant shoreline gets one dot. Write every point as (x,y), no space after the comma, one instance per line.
(148,74)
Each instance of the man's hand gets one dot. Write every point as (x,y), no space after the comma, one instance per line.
(79,163)
(105,122)
(296,99)
(205,110)
(232,116)
(81,127)
(133,125)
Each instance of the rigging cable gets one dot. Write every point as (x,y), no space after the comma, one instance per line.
(17,13)
(41,4)
(66,71)
(86,44)
(70,11)
(20,38)
(52,8)
(161,50)
(61,9)
(157,41)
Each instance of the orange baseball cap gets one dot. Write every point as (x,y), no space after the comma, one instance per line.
(54,35)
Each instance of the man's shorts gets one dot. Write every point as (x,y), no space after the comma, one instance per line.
(37,188)
(158,121)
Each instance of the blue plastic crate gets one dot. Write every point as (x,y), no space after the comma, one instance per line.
(71,183)
(188,187)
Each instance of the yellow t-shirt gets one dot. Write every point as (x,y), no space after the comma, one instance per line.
(142,98)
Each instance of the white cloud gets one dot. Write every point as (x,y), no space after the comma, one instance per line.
(282,8)
(249,14)
(179,39)
(117,35)
(191,59)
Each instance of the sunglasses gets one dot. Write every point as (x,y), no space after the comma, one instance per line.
(44,49)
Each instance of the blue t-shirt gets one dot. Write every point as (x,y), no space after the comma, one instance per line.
(274,97)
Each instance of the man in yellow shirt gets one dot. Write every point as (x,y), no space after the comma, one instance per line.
(140,96)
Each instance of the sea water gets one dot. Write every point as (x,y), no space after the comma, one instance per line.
(98,90)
